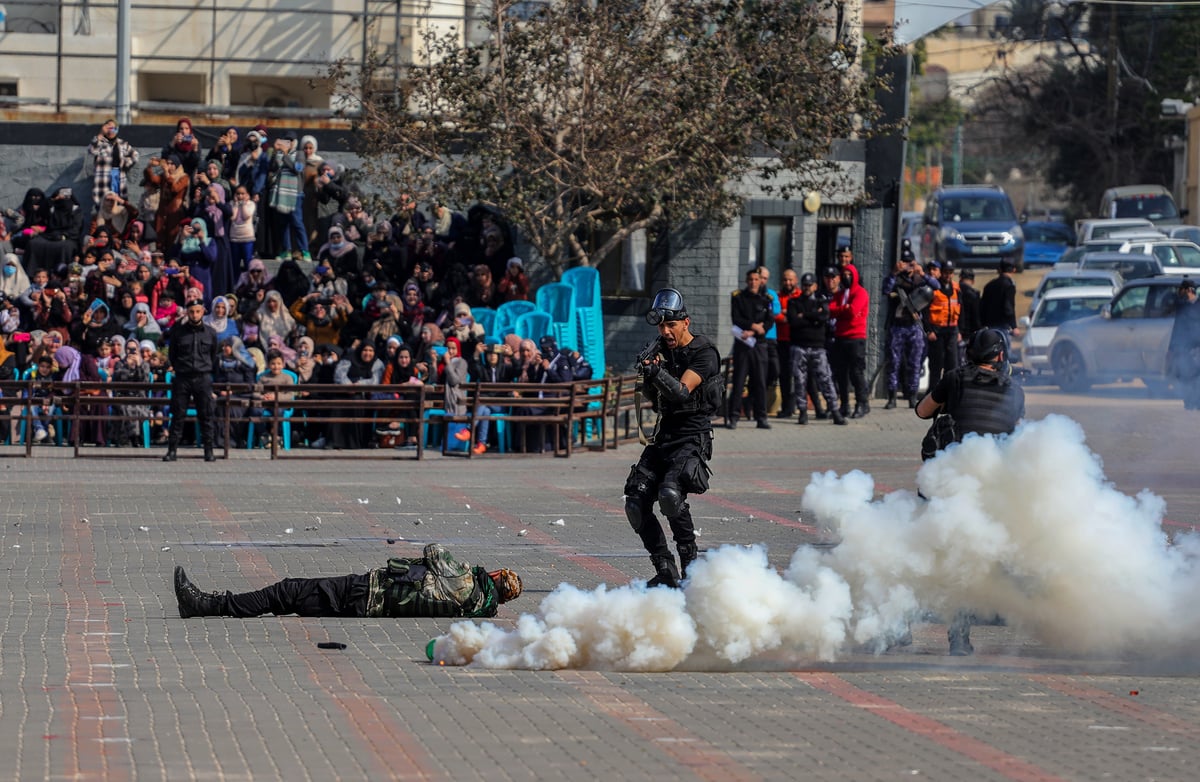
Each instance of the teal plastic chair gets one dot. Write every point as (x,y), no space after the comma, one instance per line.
(558,299)
(585,280)
(507,314)
(534,325)
(486,317)
(285,413)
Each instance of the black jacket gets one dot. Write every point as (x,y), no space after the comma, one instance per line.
(192,349)
(748,308)
(808,320)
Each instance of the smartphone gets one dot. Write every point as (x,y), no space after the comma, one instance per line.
(170,270)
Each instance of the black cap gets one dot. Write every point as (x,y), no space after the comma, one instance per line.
(948,266)
(831,271)
(966,274)
(1187,283)
(808,278)
(547,343)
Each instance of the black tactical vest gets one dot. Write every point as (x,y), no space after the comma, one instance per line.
(988,403)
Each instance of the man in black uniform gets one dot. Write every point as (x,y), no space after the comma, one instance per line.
(192,352)
(1183,350)
(998,304)
(750,309)
(682,377)
(980,398)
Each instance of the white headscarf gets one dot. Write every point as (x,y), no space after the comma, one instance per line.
(17,282)
(279,324)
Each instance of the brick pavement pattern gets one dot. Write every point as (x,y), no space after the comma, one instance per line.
(100,679)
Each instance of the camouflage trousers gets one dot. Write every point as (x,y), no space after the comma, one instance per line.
(906,349)
(814,360)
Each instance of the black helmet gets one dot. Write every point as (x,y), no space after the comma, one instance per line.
(906,251)
(986,346)
(808,278)
(947,267)
(667,306)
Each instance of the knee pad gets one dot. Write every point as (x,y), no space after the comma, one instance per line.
(637,495)
(670,499)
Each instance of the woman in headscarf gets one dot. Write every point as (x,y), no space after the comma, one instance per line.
(76,366)
(185,145)
(361,368)
(227,151)
(31,218)
(57,245)
(115,214)
(306,362)
(219,319)
(14,281)
(142,325)
(274,320)
(172,183)
(198,252)
(340,254)
(308,179)
(216,214)
(254,279)
(291,281)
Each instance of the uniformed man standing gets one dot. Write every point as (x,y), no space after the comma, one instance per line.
(941,324)
(808,323)
(192,351)
(980,398)
(682,377)
(750,309)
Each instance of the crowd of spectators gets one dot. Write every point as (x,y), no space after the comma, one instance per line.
(354,298)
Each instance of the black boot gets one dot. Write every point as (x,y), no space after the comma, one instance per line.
(666,574)
(912,401)
(170,455)
(803,419)
(891,403)
(209,456)
(193,602)
(861,409)
(687,555)
(838,418)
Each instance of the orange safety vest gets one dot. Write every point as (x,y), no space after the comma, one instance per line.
(943,310)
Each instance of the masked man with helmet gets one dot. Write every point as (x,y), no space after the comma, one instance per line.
(434,584)
(681,376)
(979,398)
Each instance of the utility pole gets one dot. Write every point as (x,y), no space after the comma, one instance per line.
(123,63)
(958,153)
(1111,59)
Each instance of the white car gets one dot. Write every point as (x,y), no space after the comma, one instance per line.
(1086,230)
(1055,308)
(1177,256)
(1074,278)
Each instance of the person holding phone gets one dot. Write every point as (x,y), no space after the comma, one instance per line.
(184,144)
(112,160)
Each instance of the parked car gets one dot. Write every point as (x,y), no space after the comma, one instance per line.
(1177,256)
(1046,242)
(1188,232)
(1127,340)
(972,226)
(1129,266)
(911,224)
(1086,230)
(1074,278)
(1055,308)
(1152,202)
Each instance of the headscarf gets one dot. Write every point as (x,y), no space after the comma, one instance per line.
(305,364)
(280,323)
(214,211)
(118,345)
(359,368)
(4,351)
(218,324)
(151,326)
(69,358)
(314,159)
(114,213)
(16,282)
(457,344)
(186,146)
(402,374)
(246,279)
(191,244)
(35,214)
(240,352)
(275,342)
(260,361)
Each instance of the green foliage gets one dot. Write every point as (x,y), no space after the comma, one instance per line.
(612,117)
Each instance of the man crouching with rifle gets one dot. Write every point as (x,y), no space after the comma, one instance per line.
(681,376)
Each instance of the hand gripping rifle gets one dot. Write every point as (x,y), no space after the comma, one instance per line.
(649,353)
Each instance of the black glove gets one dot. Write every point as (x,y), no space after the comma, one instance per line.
(670,388)
(651,370)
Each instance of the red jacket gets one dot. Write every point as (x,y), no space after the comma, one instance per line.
(784,331)
(848,309)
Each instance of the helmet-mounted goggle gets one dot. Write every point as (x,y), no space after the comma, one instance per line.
(667,306)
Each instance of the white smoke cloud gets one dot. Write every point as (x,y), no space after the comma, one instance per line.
(1026,527)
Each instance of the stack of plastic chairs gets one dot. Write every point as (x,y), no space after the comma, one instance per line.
(558,299)
(585,280)
(507,314)
(485,317)
(534,325)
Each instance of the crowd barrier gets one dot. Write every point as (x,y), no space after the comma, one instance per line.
(406,420)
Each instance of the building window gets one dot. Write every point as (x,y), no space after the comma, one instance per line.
(624,271)
(279,92)
(770,245)
(172,87)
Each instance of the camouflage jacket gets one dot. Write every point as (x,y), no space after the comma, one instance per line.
(433,585)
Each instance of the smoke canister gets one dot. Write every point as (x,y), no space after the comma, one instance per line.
(429,648)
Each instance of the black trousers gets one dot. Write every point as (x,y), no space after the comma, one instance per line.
(191,391)
(749,363)
(943,353)
(783,350)
(341,596)
(676,464)
(848,360)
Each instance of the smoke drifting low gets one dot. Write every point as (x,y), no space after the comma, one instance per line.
(1026,527)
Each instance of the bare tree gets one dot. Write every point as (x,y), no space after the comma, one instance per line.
(611,117)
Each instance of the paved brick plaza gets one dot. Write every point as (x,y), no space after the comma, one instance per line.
(99,678)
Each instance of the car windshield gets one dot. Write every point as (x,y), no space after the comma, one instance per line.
(1151,207)
(992,208)
(1104,231)
(1048,233)
(1058,311)
(1073,282)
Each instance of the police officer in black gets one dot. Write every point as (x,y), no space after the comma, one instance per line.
(750,309)
(682,379)
(981,399)
(808,325)
(192,352)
